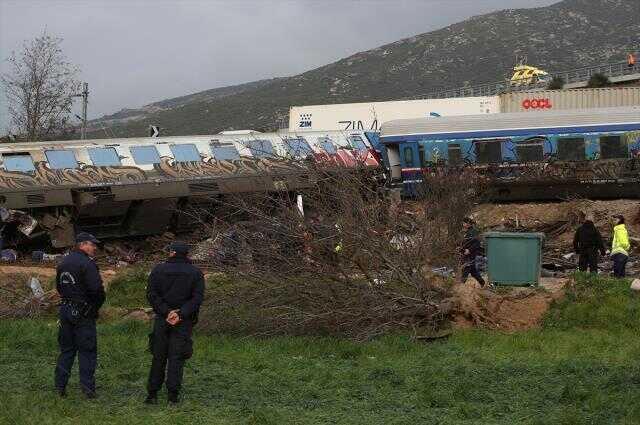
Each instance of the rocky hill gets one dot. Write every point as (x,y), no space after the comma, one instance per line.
(566,35)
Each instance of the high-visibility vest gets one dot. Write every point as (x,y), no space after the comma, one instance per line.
(620,243)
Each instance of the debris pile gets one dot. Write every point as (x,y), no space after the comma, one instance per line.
(558,221)
(24,296)
(23,221)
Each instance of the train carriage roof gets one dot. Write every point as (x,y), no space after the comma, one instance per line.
(223,137)
(512,124)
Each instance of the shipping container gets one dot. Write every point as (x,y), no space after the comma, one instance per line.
(371,115)
(545,100)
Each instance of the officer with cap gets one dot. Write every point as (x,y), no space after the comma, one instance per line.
(175,291)
(80,287)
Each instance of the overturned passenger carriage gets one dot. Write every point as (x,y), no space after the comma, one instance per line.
(138,186)
(525,155)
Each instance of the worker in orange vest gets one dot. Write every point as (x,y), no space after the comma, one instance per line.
(631,60)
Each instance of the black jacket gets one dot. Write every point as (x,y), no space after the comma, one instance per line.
(588,238)
(78,279)
(472,243)
(176,285)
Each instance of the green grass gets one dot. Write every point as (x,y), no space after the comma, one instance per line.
(128,289)
(583,367)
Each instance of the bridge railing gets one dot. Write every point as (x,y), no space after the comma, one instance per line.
(578,75)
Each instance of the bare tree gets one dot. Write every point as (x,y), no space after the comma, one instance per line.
(358,263)
(39,87)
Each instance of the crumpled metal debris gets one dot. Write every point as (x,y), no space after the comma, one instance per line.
(26,223)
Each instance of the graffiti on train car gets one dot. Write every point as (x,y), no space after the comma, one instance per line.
(84,174)
(633,140)
(168,167)
(209,166)
(562,171)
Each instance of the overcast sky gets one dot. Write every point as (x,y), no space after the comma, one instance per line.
(135,52)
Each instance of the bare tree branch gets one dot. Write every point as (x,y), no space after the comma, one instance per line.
(358,263)
(39,86)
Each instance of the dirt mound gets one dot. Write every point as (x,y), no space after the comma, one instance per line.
(504,309)
(540,215)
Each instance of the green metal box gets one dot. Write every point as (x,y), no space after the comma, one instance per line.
(514,259)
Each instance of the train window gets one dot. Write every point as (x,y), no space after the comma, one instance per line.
(298,148)
(18,161)
(327,145)
(225,153)
(357,143)
(408,156)
(259,148)
(488,152)
(530,151)
(571,149)
(455,154)
(185,153)
(613,147)
(104,157)
(143,155)
(60,159)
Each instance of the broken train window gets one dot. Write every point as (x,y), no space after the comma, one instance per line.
(259,148)
(297,147)
(612,147)
(327,145)
(571,149)
(357,143)
(488,151)
(531,150)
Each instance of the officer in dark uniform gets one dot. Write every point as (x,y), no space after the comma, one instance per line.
(80,287)
(175,291)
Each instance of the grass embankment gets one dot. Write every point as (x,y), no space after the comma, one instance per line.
(582,367)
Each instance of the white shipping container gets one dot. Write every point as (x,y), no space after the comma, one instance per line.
(371,116)
(549,100)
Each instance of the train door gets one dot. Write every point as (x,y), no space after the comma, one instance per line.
(411,167)
(409,156)
(393,160)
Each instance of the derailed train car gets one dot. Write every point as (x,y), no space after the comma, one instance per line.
(139,186)
(526,156)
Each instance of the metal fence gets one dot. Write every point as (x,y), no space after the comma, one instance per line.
(578,75)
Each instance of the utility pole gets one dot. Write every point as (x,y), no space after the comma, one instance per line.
(85,100)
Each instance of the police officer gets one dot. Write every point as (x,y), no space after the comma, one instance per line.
(175,291)
(80,287)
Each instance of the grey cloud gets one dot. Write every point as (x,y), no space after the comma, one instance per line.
(134,52)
